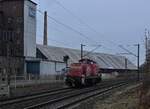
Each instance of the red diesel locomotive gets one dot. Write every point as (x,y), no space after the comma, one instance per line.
(84,73)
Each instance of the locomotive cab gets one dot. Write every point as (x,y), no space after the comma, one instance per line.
(84,73)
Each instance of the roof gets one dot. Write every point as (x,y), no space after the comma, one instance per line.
(32,2)
(18,0)
(106,61)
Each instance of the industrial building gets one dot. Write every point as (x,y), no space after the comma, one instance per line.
(17,34)
(54,57)
(19,53)
(50,61)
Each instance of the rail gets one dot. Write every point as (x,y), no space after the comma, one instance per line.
(71,99)
(58,97)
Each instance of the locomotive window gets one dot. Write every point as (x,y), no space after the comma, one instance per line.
(3,79)
(92,62)
(0,70)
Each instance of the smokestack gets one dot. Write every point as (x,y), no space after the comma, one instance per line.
(45,29)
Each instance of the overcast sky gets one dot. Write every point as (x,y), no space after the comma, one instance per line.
(101,22)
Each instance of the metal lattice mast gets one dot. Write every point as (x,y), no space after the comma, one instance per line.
(147,47)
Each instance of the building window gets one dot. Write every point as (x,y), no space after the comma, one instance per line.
(4,36)
(19,20)
(1,70)
(3,52)
(1,35)
(32,12)
(12,51)
(17,70)
(1,49)
(10,20)
(11,36)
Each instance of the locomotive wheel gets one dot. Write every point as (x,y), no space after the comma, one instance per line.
(73,85)
(90,82)
(93,82)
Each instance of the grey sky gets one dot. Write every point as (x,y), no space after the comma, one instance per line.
(116,21)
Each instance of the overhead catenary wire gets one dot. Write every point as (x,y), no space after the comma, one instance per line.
(81,21)
(51,39)
(68,27)
(128,51)
(87,25)
(81,34)
(74,30)
(58,42)
(92,50)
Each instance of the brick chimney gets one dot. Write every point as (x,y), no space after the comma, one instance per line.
(45,40)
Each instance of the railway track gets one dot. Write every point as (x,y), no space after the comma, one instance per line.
(20,102)
(73,98)
(78,100)
(29,95)
(55,99)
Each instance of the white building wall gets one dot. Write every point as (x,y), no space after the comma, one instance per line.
(47,68)
(60,66)
(29,29)
(51,68)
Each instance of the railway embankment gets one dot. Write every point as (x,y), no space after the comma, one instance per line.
(125,97)
(34,88)
(132,97)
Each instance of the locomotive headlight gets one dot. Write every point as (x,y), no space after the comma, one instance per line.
(82,76)
(83,79)
(99,74)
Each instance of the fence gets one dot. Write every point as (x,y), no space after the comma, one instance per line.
(23,81)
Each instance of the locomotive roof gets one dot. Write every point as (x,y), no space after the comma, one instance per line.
(106,61)
(87,60)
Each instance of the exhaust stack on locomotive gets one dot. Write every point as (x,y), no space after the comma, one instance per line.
(85,72)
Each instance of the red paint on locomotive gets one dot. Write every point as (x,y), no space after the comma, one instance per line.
(83,73)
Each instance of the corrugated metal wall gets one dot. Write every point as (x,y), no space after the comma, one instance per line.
(60,66)
(105,61)
(29,29)
(51,68)
(44,68)
(47,68)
